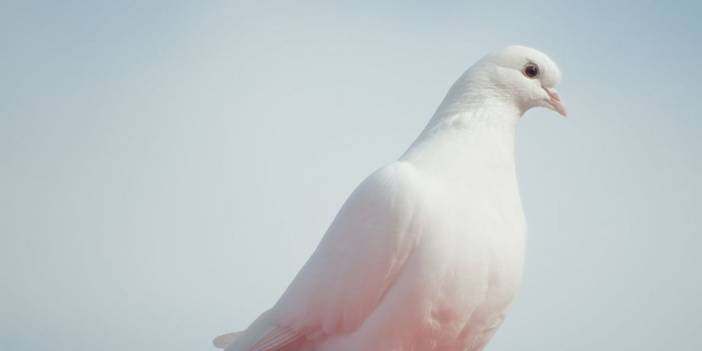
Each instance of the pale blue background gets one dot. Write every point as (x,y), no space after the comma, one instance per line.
(167,167)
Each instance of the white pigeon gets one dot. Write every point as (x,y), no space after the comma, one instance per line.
(427,253)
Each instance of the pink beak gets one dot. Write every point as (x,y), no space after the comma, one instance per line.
(555,101)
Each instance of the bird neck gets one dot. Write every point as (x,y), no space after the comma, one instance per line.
(471,141)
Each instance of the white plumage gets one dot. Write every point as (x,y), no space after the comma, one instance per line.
(427,253)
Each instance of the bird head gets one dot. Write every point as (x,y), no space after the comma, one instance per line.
(527,75)
(516,75)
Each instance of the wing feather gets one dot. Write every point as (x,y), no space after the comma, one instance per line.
(359,257)
(356,262)
(276,339)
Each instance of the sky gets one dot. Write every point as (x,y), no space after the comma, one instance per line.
(167,167)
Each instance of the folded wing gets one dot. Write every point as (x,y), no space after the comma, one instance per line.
(356,262)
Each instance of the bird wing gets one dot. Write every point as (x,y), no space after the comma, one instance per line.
(261,335)
(356,262)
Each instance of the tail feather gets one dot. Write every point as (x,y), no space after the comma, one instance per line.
(225,340)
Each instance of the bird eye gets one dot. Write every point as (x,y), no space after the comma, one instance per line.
(531,70)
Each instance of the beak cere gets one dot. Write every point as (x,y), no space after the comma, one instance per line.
(555,101)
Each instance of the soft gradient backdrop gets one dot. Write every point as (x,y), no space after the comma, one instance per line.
(167,167)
